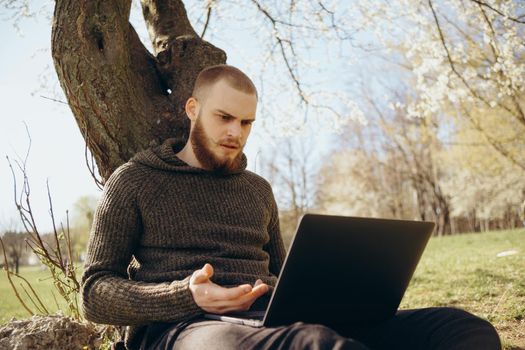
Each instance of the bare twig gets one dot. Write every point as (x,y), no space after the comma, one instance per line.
(38,308)
(496,145)
(335,27)
(449,57)
(484,4)
(453,66)
(91,163)
(6,268)
(55,100)
(208,16)
(281,42)
(492,31)
(63,273)
(279,21)
(290,70)
(58,252)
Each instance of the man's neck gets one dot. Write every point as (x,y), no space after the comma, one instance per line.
(187,156)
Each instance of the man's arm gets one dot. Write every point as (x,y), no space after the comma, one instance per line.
(108,296)
(275,246)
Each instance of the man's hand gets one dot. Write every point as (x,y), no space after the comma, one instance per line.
(219,300)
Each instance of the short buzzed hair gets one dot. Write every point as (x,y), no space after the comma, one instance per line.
(212,74)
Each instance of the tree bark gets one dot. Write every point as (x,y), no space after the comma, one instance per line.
(117,90)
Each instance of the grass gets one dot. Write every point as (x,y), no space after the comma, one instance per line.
(41,282)
(465,271)
(462,271)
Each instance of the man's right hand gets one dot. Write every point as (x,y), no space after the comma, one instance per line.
(219,300)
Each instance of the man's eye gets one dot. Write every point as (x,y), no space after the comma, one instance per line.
(225,117)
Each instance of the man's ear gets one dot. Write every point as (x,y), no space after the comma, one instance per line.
(191,108)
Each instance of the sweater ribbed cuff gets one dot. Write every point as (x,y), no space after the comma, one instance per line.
(183,298)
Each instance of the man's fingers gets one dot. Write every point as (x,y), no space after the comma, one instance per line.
(218,295)
(223,300)
(260,289)
(239,294)
(215,298)
(233,293)
(246,298)
(202,275)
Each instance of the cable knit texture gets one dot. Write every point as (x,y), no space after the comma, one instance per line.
(160,219)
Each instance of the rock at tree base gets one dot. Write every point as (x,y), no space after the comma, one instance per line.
(49,332)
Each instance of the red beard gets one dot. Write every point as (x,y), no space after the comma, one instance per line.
(202,147)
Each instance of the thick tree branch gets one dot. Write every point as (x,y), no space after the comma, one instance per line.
(181,54)
(165,20)
(107,77)
(117,90)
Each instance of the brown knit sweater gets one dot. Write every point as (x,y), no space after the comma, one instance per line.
(159,220)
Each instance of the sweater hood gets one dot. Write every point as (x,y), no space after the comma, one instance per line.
(164,157)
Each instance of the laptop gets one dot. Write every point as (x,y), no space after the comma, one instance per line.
(342,270)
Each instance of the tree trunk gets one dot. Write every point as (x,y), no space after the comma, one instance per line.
(117,90)
(453,229)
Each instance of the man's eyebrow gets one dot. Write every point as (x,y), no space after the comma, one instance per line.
(229,115)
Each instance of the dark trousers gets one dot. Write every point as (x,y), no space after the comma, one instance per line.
(430,328)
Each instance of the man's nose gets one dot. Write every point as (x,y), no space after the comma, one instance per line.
(235,130)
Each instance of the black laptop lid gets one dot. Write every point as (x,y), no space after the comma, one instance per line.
(344,270)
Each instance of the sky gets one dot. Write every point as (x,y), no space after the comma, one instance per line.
(57,149)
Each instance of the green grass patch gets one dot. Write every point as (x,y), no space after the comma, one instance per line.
(42,283)
(465,271)
(461,271)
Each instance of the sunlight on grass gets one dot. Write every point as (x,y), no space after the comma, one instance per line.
(41,281)
(460,271)
(465,271)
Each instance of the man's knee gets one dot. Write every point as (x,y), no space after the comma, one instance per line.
(464,330)
(318,337)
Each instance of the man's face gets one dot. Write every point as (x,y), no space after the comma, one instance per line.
(222,126)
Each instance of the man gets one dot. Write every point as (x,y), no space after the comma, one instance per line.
(183,229)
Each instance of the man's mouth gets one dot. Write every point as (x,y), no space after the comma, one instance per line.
(229,146)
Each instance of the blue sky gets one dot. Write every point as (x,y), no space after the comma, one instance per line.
(57,153)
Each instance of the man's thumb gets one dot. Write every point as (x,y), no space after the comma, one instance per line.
(203,275)
(208,270)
